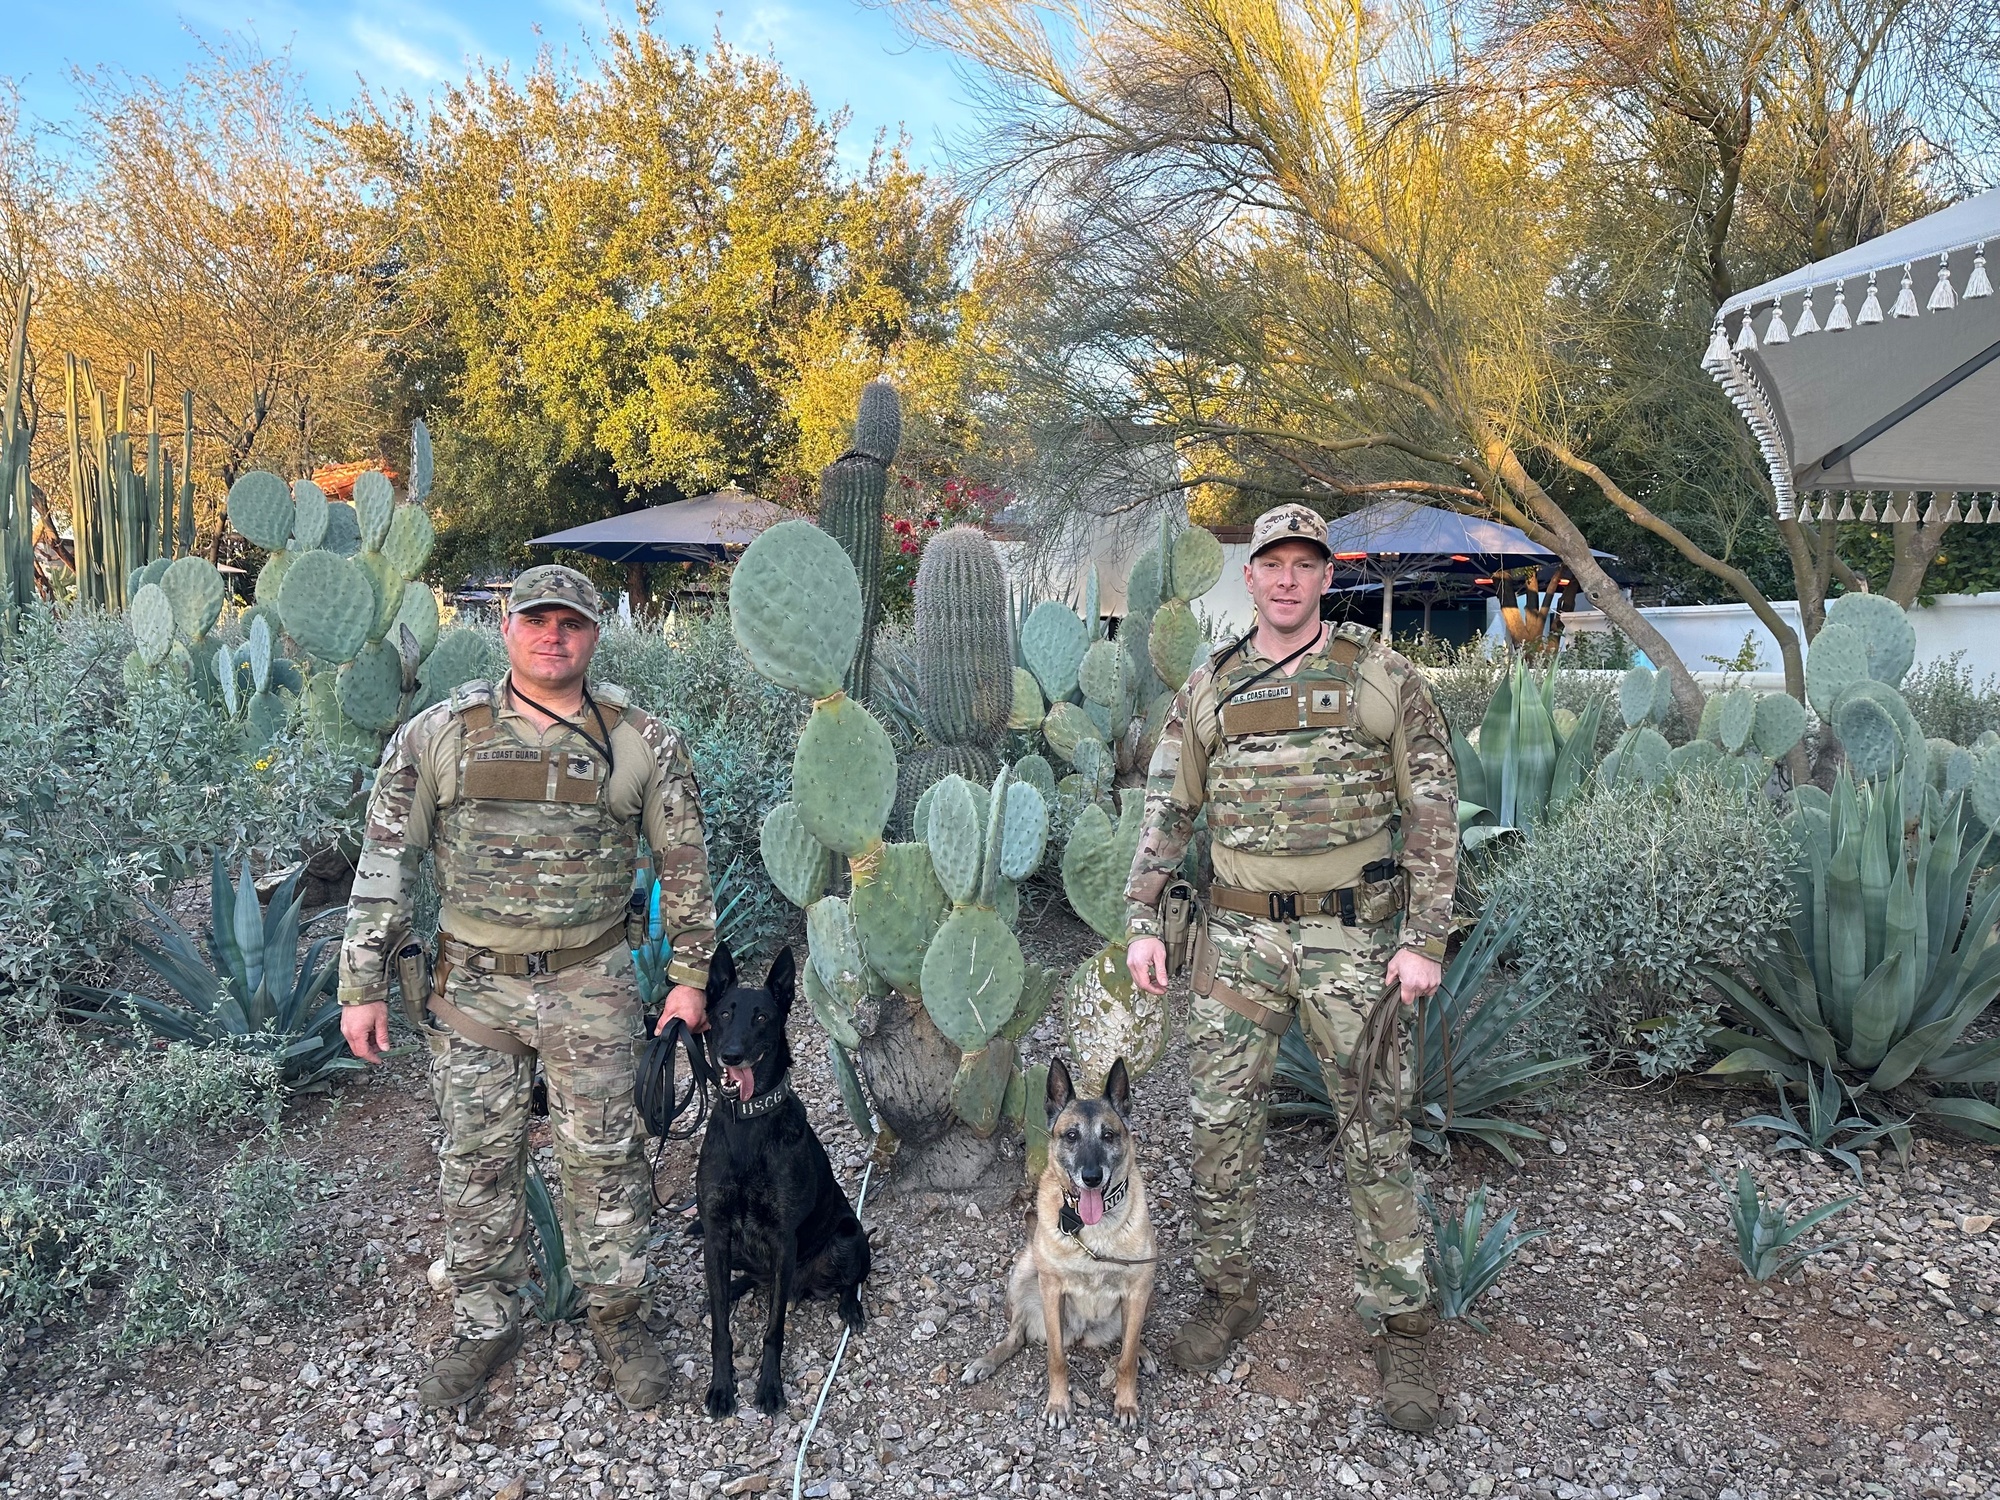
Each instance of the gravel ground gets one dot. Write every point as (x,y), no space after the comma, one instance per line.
(1628,1354)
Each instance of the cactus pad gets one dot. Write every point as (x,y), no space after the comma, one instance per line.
(385,584)
(267,715)
(1692,756)
(151,573)
(1736,718)
(459,657)
(955,836)
(151,614)
(972,976)
(835,1018)
(844,772)
(897,906)
(1029,706)
(1197,563)
(1958,766)
(1097,863)
(271,577)
(1869,735)
(371,688)
(834,950)
(1916,755)
(795,606)
(1066,726)
(1663,696)
(1983,788)
(195,590)
(878,423)
(1885,630)
(979,1091)
(1781,724)
(1035,771)
(411,537)
(1106,675)
(419,612)
(1143,587)
(257,642)
(850,1091)
(260,508)
(1038,987)
(798,863)
(1024,832)
(308,515)
(374,507)
(1635,696)
(1837,658)
(328,605)
(343,531)
(1175,643)
(1053,641)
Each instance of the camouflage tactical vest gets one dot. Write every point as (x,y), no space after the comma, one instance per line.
(530,837)
(1293,772)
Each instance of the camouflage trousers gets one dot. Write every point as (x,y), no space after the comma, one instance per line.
(1330,975)
(583,1022)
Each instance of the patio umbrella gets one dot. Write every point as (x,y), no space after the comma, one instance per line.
(704,529)
(1875,369)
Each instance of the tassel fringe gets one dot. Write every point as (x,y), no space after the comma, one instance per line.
(1837,320)
(1906,296)
(1942,299)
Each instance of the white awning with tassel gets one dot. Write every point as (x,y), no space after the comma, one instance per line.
(1905,399)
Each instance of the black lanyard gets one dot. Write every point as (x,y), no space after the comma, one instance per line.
(602,747)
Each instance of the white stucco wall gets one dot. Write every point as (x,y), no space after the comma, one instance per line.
(1955,622)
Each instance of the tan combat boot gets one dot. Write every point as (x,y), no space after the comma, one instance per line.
(638,1369)
(462,1370)
(1214,1326)
(1402,1357)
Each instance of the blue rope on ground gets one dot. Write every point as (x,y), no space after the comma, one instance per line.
(826,1386)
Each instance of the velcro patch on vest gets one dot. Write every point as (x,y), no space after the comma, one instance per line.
(1326,707)
(578,782)
(507,776)
(1272,710)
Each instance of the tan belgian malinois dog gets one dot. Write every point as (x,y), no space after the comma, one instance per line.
(1087,1271)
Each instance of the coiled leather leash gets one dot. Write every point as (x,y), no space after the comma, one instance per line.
(668,1115)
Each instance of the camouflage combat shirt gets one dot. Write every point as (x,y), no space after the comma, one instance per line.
(1364,774)
(527,869)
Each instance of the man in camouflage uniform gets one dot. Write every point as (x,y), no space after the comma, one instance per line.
(531,793)
(1325,769)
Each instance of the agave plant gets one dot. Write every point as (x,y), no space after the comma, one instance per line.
(1890,956)
(1525,766)
(1824,1131)
(1765,1237)
(1466,1262)
(1464,1065)
(552,1291)
(249,989)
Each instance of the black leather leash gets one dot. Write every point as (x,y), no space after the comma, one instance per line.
(669,1115)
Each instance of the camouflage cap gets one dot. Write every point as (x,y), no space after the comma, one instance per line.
(1288,523)
(551,583)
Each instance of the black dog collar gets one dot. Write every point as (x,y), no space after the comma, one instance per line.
(1070,1222)
(764,1103)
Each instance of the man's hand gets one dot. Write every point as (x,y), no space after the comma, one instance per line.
(687,1002)
(366,1028)
(1418,974)
(1146,962)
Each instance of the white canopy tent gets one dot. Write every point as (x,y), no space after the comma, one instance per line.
(1877,369)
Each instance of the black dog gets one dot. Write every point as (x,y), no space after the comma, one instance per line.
(772,1215)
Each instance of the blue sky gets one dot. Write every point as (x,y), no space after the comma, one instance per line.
(846,54)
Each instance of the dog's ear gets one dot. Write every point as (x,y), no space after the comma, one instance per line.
(782,978)
(1118,1089)
(1061,1090)
(721,971)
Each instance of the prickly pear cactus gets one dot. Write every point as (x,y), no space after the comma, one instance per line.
(795,606)
(1054,640)
(260,508)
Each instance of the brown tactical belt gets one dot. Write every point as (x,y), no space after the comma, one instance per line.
(1286,906)
(525,965)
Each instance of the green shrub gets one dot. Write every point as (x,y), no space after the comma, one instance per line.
(1629,893)
(115,790)
(144,1190)
(1949,702)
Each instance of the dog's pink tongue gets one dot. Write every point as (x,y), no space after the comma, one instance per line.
(743,1080)
(1090,1204)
